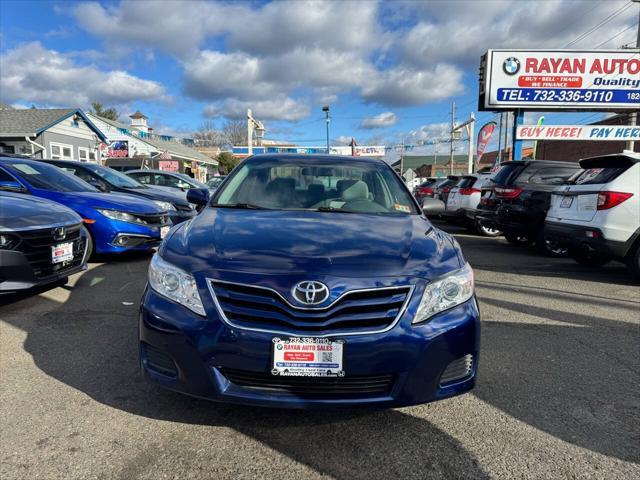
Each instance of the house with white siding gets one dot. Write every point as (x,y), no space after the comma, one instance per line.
(56,133)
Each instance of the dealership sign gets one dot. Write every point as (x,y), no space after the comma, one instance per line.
(484,135)
(606,133)
(118,149)
(560,79)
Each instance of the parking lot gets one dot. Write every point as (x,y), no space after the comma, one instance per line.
(557,394)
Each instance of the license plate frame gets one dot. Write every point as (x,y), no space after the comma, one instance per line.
(307,357)
(62,252)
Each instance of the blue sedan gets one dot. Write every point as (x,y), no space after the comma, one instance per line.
(116,222)
(310,281)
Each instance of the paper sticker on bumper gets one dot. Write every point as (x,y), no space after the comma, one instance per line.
(307,357)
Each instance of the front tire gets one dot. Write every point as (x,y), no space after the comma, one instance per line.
(487,231)
(588,259)
(89,245)
(515,239)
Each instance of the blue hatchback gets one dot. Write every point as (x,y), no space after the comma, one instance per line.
(311,281)
(116,222)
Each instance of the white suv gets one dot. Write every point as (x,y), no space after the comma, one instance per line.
(463,199)
(598,214)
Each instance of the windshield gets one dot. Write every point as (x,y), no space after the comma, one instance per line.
(114,177)
(283,184)
(48,177)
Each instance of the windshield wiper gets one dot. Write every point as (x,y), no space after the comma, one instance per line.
(331,209)
(246,206)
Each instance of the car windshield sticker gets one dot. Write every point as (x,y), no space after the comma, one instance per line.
(402,208)
(24,168)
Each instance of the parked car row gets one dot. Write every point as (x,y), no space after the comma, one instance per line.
(589,211)
(56,214)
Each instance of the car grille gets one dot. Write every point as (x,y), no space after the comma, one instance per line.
(358,386)
(36,247)
(154,220)
(261,308)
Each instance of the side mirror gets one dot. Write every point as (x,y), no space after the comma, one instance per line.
(432,207)
(103,187)
(198,196)
(12,186)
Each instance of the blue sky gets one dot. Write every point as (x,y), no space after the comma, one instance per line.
(389,70)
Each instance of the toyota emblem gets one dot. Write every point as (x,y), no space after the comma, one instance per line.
(310,292)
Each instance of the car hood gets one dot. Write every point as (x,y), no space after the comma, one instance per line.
(157,194)
(318,243)
(21,212)
(113,201)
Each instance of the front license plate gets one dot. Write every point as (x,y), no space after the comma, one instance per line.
(307,357)
(62,252)
(164,231)
(566,202)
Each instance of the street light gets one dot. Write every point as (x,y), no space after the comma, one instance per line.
(325,109)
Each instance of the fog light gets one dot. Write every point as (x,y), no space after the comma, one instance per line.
(457,370)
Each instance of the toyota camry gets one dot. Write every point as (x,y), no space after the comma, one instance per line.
(310,281)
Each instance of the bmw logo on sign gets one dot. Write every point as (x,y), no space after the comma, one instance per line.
(511,66)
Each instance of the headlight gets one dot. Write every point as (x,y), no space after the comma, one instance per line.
(175,284)
(122,216)
(164,205)
(443,294)
(8,242)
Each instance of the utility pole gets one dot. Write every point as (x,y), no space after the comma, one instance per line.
(453,119)
(252,124)
(633,117)
(470,131)
(325,109)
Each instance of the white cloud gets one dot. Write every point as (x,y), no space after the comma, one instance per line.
(279,108)
(33,74)
(382,120)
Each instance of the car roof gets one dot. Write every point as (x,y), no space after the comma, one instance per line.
(540,162)
(315,158)
(624,159)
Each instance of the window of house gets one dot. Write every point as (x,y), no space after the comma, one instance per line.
(60,151)
(92,155)
(83,154)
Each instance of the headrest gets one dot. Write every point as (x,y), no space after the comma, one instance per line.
(281,184)
(356,191)
(316,188)
(342,185)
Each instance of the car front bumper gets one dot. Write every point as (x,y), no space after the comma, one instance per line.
(107,235)
(182,351)
(17,273)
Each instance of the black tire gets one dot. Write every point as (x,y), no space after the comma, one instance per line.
(588,259)
(634,264)
(515,239)
(487,231)
(549,247)
(89,249)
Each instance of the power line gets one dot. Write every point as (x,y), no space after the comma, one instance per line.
(616,35)
(602,22)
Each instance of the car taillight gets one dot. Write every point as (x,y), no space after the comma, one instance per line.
(425,190)
(446,189)
(607,200)
(468,191)
(504,192)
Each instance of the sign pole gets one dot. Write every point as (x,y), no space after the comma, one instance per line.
(518,119)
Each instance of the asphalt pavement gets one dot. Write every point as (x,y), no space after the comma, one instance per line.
(558,393)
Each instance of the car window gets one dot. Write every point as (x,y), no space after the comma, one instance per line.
(5,177)
(548,176)
(329,186)
(170,181)
(47,177)
(78,172)
(466,182)
(114,177)
(144,178)
(595,176)
(507,174)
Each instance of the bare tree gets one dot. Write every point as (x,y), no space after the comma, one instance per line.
(235,132)
(208,135)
